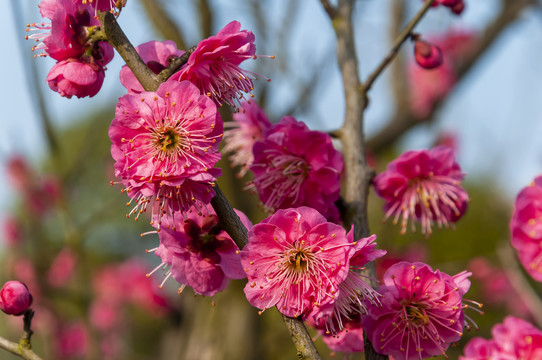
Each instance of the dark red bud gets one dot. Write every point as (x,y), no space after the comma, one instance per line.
(427,55)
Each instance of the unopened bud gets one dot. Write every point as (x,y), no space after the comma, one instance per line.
(458,8)
(15,298)
(427,55)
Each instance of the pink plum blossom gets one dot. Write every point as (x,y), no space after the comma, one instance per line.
(157,55)
(294,166)
(165,144)
(73,77)
(424,186)
(526,228)
(354,292)
(214,66)
(200,254)
(421,312)
(67,38)
(15,298)
(72,341)
(295,260)
(513,339)
(427,55)
(12,231)
(348,340)
(249,125)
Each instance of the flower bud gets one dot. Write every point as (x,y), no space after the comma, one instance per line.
(427,55)
(458,8)
(15,298)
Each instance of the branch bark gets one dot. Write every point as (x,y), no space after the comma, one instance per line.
(23,348)
(229,220)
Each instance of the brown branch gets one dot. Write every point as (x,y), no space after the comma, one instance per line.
(228,218)
(117,38)
(175,64)
(22,349)
(403,36)
(519,283)
(404,119)
(163,22)
(358,173)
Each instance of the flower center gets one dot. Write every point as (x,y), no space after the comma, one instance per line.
(416,315)
(168,140)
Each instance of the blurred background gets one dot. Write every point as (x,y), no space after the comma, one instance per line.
(64,227)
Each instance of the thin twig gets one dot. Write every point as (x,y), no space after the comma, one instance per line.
(229,220)
(175,64)
(24,347)
(117,38)
(519,283)
(403,36)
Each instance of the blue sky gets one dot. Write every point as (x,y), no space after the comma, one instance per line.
(495,112)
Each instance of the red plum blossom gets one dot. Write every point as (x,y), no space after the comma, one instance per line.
(424,186)
(165,144)
(294,166)
(15,298)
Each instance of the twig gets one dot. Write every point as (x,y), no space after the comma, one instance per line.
(175,64)
(358,174)
(229,220)
(519,283)
(403,36)
(404,119)
(117,38)
(24,347)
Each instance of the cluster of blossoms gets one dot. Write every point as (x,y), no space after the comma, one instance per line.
(302,264)
(421,312)
(293,166)
(526,228)
(424,186)
(513,339)
(67,38)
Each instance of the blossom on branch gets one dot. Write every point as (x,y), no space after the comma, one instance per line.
(67,38)
(214,66)
(200,254)
(526,228)
(296,260)
(249,126)
(424,186)
(294,166)
(165,144)
(421,312)
(15,298)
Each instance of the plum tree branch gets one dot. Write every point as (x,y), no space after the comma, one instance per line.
(23,348)
(403,36)
(229,220)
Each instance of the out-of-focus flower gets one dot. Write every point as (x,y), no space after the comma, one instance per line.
(157,55)
(12,231)
(348,340)
(165,144)
(249,125)
(200,254)
(513,339)
(526,228)
(294,166)
(421,312)
(72,341)
(295,260)
(456,6)
(424,186)
(61,269)
(214,67)
(427,55)
(15,298)
(428,87)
